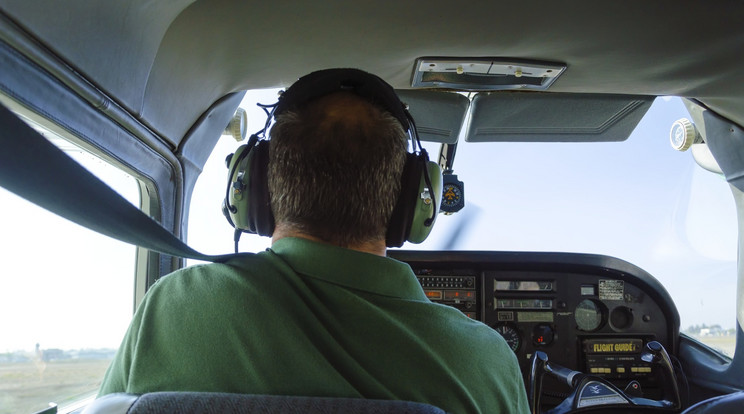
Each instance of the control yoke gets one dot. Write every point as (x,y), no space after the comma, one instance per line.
(656,354)
(590,391)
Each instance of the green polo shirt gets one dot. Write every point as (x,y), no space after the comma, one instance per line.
(311,319)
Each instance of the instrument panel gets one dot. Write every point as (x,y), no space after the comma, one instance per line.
(590,313)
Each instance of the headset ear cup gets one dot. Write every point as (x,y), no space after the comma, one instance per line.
(400,221)
(260,217)
(234,205)
(247,206)
(414,214)
(428,201)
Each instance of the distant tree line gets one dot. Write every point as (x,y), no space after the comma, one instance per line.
(54,354)
(709,330)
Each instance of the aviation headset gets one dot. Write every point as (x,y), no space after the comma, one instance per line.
(247,201)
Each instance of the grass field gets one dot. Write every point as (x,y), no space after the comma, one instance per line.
(725,344)
(27,388)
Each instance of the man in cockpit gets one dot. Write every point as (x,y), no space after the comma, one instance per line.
(322,312)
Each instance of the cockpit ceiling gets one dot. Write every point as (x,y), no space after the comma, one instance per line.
(167,62)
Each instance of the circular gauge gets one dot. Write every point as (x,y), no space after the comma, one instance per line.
(683,134)
(452,194)
(510,334)
(621,318)
(588,315)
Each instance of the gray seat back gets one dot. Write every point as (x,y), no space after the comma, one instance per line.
(729,403)
(225,403)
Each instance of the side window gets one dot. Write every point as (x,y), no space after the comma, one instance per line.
(709,224)
(66,297)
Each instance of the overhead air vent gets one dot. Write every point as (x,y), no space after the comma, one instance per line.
(485,74)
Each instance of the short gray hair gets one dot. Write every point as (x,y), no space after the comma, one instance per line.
(336,177)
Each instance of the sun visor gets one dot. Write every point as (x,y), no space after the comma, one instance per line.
(554,117)
(439,116)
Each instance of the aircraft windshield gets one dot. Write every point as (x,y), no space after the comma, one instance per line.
(638,200)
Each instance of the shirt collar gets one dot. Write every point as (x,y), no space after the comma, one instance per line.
(349,268)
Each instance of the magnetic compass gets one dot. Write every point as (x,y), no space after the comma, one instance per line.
(683,134)
(453,194)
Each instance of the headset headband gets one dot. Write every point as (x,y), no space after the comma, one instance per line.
(324,82)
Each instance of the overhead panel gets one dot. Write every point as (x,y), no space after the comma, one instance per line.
(485,74)
(439,116)
(554,117)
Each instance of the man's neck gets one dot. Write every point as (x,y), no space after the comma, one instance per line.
(376,247)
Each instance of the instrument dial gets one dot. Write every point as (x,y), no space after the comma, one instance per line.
(510,334)
(589,315)
(453,193)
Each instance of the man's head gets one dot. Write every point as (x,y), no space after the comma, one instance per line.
(335,166)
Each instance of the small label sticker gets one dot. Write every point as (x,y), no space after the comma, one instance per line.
(505,316)
(611,289)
